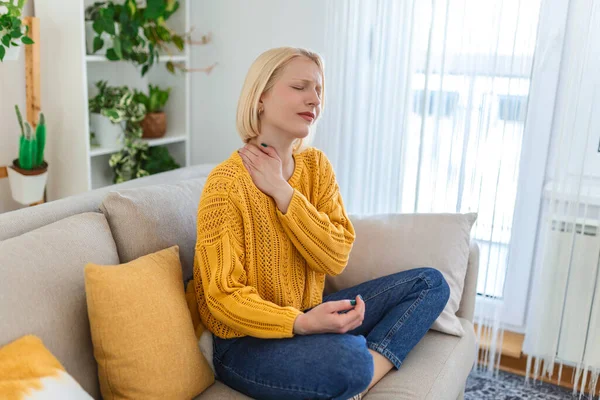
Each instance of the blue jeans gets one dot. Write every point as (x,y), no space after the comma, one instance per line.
(399,309)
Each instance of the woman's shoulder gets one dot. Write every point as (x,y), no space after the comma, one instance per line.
(315,159)
(225,175)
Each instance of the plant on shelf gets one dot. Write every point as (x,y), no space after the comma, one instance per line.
(137,34)
(154,125)
(159,160)
(136,158)
(114,113)
(11,29)
(29,173)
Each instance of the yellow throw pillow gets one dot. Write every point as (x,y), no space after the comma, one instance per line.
(28,370)
(142,331)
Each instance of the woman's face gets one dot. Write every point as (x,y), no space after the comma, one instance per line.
(298,90)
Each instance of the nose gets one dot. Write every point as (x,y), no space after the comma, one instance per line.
(314,99)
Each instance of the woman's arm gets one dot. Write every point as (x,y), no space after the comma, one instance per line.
(221,276)
(323,234)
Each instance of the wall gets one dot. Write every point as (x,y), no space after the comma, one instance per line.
(241,30)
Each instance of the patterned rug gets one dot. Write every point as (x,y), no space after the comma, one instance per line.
(506,386)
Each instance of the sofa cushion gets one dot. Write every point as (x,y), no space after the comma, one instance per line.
(435,369)
(142,331)
(389,243)
(148,219)
(28,369)
(42,289)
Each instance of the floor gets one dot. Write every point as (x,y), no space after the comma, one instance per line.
(505,386)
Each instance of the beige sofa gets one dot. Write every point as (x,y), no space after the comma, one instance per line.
(43,250)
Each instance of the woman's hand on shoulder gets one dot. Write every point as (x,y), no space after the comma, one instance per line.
(326,317)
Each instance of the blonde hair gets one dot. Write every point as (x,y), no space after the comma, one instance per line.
(261,77)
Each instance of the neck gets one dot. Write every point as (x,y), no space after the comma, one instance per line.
(283,148)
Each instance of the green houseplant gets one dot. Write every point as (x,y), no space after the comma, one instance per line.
(113,112)
(154,125)
(11,29)
(29,173)
(138,34)
(135,159)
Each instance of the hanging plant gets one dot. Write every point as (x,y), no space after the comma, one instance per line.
(138,34)
(11,27)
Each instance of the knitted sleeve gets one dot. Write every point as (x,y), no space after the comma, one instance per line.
(220,272)
(323,234)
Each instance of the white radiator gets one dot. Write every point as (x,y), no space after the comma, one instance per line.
(570,318)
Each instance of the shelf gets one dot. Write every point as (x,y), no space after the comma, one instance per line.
(100,151)
(162,58)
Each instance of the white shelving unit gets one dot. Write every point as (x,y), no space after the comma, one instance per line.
(68,81)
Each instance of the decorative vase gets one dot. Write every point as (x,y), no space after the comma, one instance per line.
(107,134)
(27,186)
(154,125)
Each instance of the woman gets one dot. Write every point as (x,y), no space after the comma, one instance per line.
(271,226)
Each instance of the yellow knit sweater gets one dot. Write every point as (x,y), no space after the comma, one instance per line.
(256,268)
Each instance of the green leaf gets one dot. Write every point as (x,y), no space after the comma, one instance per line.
(117,47)
(16,33)
(163,33)
(171,67)
(145,69)
(154,9)
(98,43)
(178,41)
(2,53)
(111,55)
(98,26)
(6,40)
(27,40)
(131,7)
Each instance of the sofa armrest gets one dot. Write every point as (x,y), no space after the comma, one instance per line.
(466,308)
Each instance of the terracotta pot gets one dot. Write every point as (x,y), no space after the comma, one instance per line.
(154,125)
(27,186)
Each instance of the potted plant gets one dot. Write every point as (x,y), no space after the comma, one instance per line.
(103,41)
(110,112)
(159,160)
(29,173)
(154,125)
(11,29)
(138,34)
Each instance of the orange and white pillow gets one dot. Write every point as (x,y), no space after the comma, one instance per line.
(28,370)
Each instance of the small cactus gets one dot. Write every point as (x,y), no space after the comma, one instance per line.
(31,145)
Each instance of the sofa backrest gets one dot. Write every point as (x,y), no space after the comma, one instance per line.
(20,221)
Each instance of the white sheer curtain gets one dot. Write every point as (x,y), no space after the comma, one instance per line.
(564,323)
(424,112)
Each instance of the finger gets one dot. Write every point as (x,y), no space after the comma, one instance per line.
(271,152)
(340,305)
(247,163)
(252,151)
(360,306)
(349,319)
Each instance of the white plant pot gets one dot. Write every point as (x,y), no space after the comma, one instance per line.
(90,34)
(27,189)
(107,133)
(12,53)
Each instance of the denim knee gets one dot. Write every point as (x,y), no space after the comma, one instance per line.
(354,371)
(436,280)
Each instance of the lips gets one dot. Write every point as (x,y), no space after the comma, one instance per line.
(307,116)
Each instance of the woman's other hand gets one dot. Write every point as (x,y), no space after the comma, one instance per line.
(326,317)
